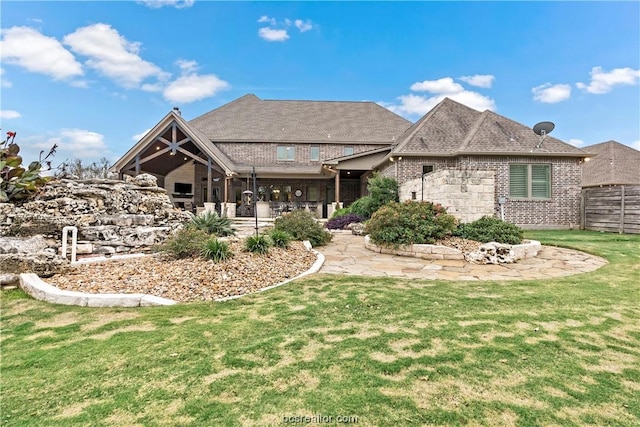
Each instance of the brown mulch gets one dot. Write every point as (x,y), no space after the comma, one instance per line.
(191,279)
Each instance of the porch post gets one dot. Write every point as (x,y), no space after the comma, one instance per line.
(337,188)
(209,182)
(137,164)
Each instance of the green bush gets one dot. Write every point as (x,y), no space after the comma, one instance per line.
(184,243)
(409,223)
(216,250)
(280,238)
(382,190)
(341,212)
(490,229)
(259,244)
(302,225)
(211,223)
(16,182)
(363,207)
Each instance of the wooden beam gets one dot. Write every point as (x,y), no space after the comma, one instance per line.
(154,155)
(137,164)
(209,182)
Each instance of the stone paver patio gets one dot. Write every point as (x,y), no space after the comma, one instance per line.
(346,254)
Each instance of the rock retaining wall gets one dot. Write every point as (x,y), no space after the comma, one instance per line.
(112,217)
(528,249)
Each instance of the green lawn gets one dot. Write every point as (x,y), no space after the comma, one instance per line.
(389,352)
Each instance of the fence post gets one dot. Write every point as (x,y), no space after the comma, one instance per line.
(621,226)
(74,241)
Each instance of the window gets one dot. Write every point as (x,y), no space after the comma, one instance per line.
(427,169)
(413,195)
(348,151)
(182,188)
(286,153)
(312,194)
(314,154)
(530,181)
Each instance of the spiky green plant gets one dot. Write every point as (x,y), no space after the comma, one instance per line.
(216,250)
(212,223)
(280,238)
(259,244)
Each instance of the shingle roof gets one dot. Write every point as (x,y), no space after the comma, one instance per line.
(451,128)
(615,163)
(250,118)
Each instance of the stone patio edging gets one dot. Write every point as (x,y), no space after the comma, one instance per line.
(40,290)
(435,252)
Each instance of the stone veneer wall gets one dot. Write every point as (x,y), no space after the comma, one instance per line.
(562,210)
(466,194)
(111,216)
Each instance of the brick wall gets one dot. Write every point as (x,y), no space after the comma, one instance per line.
(266,153)
(561,210)
(466,194)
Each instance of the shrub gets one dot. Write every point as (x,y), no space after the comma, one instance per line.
(302,225)
(409,223)
(215,250)
(184,243)
(382,190)
(280,238)
(259,244)
(490,229)
(16,182)
(341,212)
(211,223)
(363,207)
(341,222)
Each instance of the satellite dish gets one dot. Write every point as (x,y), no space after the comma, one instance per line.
(543,128)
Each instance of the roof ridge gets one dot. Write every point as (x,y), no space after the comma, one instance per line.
(416,126)
(243,98)
(473,131)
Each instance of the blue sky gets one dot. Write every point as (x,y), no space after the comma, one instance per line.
(94,76)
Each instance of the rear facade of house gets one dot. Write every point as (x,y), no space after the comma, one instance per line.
(318,155)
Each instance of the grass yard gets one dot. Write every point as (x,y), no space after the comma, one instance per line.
(383,352)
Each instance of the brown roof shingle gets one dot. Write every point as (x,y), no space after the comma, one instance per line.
(451,128)
(615,163)
(250,118)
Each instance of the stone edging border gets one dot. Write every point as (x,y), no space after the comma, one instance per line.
(40,290)
(437,252)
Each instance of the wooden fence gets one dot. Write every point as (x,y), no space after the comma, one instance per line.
(615,209)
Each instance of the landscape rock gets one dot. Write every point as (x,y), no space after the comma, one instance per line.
(357,228)
(492,253)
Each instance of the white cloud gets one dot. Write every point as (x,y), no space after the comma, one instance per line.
(112,55)
(273,35)
(29,49)
(445,87)
(187,66)
(9,114)
(303,26)
(152,87)
(479,80)
(156,4)
(4,81)
(603,82)
(576,142)
(636,145)
(191,88)
(550,94)
(72,144)
(82,84)
(139,136)
(265,18)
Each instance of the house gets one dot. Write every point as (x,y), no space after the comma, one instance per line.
(481,163)
(318,154)
(211,158)
(611,189)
